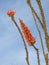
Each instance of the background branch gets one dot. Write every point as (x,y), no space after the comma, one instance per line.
(33,11)
(41,10)
(39,35)
(45,55)
(44,23)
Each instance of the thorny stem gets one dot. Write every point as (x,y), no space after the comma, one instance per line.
(45,55)
(44,21)
(37,54)
(41,10)
(45,28)
(27,58)
(39,34)
(43,25)
(35,48)
(40,21)
(33,11)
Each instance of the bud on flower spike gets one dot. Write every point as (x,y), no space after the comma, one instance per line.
(11,12)
(27,34)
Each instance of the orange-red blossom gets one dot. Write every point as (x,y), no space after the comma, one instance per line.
(27,34)
(11,12)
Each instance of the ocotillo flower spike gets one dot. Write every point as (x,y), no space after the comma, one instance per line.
(27,33)
(11,12)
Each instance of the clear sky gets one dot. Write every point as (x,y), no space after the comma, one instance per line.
(12,50)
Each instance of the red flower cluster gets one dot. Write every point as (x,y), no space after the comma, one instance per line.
(27,34)
(11,12)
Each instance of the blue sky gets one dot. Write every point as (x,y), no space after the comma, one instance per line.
(12,50)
